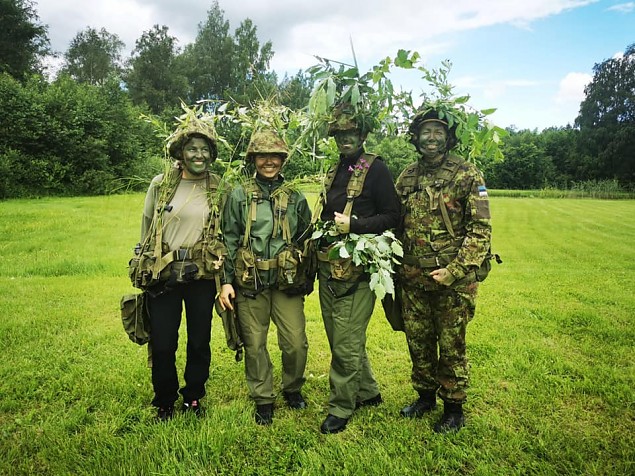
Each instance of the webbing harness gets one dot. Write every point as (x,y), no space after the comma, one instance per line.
(353,188)
(444,175)
(280,201)
(211,230)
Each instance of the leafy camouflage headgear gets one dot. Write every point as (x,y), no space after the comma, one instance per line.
(192,126)
(266,141)
(346,119)
(428,115)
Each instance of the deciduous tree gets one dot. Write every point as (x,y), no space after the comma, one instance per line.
(93,56)
(23,40)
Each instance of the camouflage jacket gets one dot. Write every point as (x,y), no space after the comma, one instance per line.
(445,216)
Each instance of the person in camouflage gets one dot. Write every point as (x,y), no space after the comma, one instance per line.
(347,302)
(265,220)
(178,209)
(446,235)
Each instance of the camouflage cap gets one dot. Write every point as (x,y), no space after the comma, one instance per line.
(266,141)
(345,118)
(192,126)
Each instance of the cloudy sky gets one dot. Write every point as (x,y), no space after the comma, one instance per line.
(529,58)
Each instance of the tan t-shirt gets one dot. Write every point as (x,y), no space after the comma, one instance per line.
(183,223)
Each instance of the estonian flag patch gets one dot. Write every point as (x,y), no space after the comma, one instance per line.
(482,191)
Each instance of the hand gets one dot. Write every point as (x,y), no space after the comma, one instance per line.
(443,276)
(342,222)
(226,295)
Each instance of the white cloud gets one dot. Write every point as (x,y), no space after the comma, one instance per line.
(571,88)
(623,7)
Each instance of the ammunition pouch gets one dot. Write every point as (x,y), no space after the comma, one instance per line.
(209,256)
(141,266)
(342,269)
(296,269)
(245,268)
(135,317)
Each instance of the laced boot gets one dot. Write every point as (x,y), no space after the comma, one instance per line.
(452,419)
(426,402)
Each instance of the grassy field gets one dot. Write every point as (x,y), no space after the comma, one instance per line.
(551,350)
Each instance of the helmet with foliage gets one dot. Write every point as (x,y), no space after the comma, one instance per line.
(266,141)
(192,126)
(346,118)
(432,115)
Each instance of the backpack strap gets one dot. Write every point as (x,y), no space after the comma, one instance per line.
(167,190)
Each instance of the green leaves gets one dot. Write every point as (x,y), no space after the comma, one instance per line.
(375,253)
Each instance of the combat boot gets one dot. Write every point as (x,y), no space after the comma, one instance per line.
(426,402)
(452,419)
(264,414)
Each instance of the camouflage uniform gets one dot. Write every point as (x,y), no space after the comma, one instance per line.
(435,315)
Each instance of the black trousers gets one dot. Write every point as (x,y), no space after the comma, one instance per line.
(165,317)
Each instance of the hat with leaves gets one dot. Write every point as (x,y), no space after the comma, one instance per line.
(192,124)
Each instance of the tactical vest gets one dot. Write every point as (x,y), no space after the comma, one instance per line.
(343,269)
(289,261)
(444,175)
(154,263)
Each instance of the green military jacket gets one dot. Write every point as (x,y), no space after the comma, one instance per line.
(458,241)
(266,234)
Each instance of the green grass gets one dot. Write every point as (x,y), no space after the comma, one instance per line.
(553,373)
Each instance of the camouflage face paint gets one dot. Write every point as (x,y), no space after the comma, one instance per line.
(432,139)
(196,158)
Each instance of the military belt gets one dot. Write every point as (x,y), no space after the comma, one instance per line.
(434,261)
(266,264)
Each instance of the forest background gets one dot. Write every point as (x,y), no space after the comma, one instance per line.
(80,132)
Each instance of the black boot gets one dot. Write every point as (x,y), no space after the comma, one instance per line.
(264,414)
(426,402)
(452,419)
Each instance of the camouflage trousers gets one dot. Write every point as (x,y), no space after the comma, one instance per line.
(435,325)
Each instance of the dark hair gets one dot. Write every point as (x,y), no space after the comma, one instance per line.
(213,150)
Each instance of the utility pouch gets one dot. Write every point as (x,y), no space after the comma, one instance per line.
(135,318)
(209,256)
(483,271)
(245,268)
(290,274)
(343,269)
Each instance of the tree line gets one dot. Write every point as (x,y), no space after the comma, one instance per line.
(81,132)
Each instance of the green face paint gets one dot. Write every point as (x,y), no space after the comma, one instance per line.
(196,158)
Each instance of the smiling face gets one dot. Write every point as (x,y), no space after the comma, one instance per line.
(349,142)
(432,139)
(196,158)
(268,165)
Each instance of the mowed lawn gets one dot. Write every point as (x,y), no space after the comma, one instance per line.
(551,351)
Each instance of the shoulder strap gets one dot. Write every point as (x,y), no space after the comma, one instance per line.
(408,181)
(167,190)
(356,182)
(445,174)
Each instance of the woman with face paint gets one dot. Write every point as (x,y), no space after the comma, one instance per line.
(347,302)
(178,220)
(446,235)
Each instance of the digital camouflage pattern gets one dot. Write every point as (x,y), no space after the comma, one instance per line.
(266,142)
(439,319)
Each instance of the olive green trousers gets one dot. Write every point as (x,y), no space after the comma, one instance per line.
(346,310)
(255,315)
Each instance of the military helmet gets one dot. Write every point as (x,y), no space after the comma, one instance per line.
(342,121)
(266,141)
(193,127)
(428,115)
